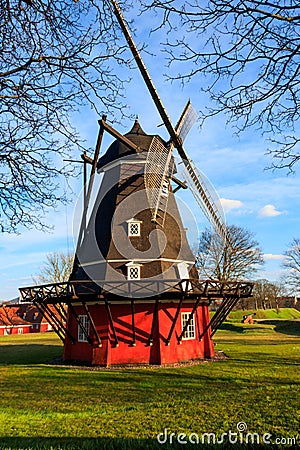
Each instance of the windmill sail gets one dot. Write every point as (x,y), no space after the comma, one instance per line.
(199,191)
(159,166)
(187,120)
(203,194)
(158,170)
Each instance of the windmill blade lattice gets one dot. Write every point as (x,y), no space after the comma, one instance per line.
(159,167)
(158,171)
(206,197)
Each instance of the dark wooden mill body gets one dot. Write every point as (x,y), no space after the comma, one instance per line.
(135,298)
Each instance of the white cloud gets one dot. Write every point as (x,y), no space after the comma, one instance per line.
(269,211)
(282,188)
(229,204)
(271,256)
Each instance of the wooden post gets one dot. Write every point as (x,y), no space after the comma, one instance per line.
(155,317)
(111,322)
(132,322)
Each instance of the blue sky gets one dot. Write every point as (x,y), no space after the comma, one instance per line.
(265,202)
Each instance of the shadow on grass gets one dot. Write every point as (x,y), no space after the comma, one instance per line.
(28,354)
(290,327)
(231,327)
(42,443)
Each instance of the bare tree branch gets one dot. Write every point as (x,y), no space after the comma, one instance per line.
(56,269)
(55,58)
(292,263)
(225,262)
(247,53)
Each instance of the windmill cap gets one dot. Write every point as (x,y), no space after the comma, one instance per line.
(118,149)
(136,129)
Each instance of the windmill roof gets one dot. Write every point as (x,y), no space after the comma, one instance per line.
(21,314)
(118,149)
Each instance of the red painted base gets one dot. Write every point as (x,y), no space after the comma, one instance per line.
(138,352)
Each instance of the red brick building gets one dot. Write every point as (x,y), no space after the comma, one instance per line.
(22,319)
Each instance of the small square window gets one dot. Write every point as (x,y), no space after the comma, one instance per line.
(190,331)
(20,330)
(134,229)
(134,272)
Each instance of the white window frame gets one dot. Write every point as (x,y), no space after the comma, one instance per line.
(190,333)
(136,267)
(86,324)
(136,223)
(20,330)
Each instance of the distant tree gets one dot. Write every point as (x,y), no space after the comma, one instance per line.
(54,59)
(57,269)
(247,55)
(266,294)
(292,263)
(228,262)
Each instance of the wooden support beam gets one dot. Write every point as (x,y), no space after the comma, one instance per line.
(154,321)
(120,137)
(184,293)
(180,184)
(57,327)
(60,311)
(111,323)
(229,306)
(133,323)
(59,322)
(63,306)
(88,190)
(174,321)
(51,316)
(220,315)
(92,323)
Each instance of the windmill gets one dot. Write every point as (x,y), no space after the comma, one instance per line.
(134,295)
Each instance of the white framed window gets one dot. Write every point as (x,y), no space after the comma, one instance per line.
(86,325)
(20,330)
(133,271)
(190,332)
(6,331)
(134,227)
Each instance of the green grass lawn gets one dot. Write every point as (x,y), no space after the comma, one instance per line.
(45,406)
(283,313)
